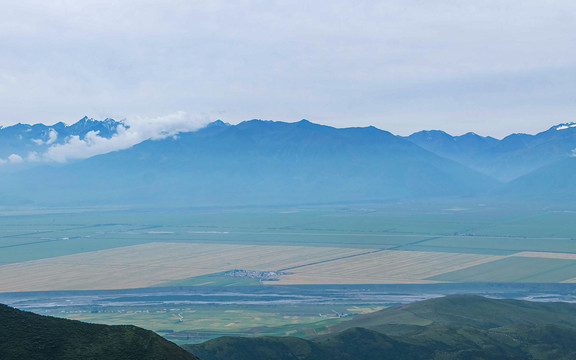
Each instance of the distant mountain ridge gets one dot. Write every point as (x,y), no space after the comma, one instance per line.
(507,159)
(493,157)
(21,139)
(255,163)
(553,183)
(273,163)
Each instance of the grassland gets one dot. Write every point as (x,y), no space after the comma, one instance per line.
(515,269)
(217,279)
(186,324)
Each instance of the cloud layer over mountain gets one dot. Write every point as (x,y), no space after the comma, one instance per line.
(129,132)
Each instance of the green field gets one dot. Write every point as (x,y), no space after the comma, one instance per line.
(186,324)
(507,244)
(458,249)
(515,269)
(217,279)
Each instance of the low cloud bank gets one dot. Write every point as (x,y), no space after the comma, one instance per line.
(130,132)
(52,137)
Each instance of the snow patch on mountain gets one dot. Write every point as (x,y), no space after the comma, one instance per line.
(565,126)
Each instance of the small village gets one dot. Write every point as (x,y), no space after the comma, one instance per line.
(255,274)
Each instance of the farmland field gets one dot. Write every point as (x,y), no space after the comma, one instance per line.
(348,244)
(186,324)
(153,263)
(516,269)
(385,267)
(503,243)
(332,260)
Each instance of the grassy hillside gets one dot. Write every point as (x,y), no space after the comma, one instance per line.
(263,348)
(450,328)
(464,311)
(25,335)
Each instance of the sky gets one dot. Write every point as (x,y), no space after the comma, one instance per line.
(491,67)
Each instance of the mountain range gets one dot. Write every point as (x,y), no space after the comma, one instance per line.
(507,159)
(22,139)
(274,163)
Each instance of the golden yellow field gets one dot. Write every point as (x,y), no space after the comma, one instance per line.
(157,263)
(385,267)
(154,263)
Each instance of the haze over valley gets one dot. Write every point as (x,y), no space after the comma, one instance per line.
(329,223)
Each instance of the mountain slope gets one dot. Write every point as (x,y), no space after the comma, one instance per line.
(25,335)
(262,348)
(255,162)
(514,342)
(464,310)
(507,159)
(352,344)
(454,327)
(22,139)
(552,183)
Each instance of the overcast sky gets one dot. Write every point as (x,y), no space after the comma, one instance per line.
(492,67)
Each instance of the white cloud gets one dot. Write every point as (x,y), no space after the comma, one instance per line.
(130,132)
(52,137)
(137,129)
(15,158)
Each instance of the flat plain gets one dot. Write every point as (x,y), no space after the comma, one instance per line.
(439,246)
(154,263)
(88,249)
(385,267)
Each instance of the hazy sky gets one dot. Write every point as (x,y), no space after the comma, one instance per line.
(493,67)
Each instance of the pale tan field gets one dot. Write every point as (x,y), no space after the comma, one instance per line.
(150,264)
(156,263)
(547,255)
(385,267)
